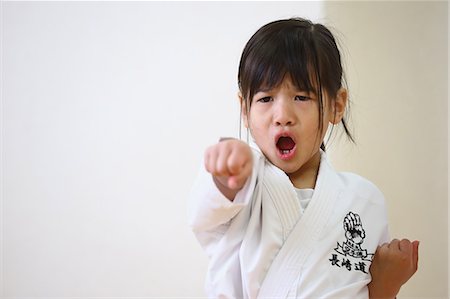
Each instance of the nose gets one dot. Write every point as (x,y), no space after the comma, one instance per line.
(284,114)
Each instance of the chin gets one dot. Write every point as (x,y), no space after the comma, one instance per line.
(288,169)
(289,166)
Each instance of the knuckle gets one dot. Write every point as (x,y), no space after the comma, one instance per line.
(220,168)
(383,246)
(233,167)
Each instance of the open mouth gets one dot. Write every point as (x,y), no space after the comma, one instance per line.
(285,146)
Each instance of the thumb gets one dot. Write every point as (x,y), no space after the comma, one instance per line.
(233,182)
(236,182)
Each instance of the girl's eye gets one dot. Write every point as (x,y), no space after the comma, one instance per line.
(302,98)
(265,100)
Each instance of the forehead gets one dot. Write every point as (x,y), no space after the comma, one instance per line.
(286,83)
(303,84)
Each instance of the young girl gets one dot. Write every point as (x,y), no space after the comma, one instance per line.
(277,220)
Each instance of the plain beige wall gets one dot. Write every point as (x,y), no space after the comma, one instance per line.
(396,58)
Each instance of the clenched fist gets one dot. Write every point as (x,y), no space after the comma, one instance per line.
(230,162)
(393,265)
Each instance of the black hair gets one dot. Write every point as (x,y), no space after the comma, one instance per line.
(305,51)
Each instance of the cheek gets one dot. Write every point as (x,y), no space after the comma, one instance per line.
(311,123)
(257,119)
(311,130)
(257,130)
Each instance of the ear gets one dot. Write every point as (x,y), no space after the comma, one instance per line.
(338,107)
(243,109)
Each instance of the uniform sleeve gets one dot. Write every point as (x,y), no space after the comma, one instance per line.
(209,211)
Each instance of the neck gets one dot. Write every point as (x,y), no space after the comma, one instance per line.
(306,176)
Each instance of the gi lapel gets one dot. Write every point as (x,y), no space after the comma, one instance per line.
(283,196)
(286,267)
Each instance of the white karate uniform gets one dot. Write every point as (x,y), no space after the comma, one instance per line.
(264,245)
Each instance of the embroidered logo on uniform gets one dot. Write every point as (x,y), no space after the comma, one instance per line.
(351,254)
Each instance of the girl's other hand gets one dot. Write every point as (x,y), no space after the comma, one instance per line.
(230,162)
(393,265)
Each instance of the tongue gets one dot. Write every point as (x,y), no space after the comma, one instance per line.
(285,143)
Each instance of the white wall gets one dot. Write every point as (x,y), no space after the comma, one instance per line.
(107,108)
(397,55)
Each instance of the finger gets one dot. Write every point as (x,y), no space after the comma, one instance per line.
(383,249)
(221,165)
(236,161)
(238,181)
(405,246)
(235,183)
(384,245)
(415,254)
(394,244)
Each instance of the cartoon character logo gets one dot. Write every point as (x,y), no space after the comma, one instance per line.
(355,234)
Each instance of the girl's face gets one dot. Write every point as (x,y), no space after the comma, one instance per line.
(284,123)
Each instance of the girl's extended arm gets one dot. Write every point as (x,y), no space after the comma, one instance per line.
(230,163)
(393,265)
